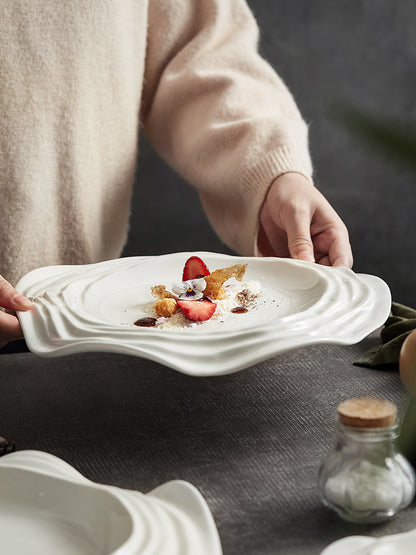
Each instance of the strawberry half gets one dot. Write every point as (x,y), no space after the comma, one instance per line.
(194,267)
(197,310)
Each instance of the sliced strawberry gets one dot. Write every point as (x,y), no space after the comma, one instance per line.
(197,310)
(194,267)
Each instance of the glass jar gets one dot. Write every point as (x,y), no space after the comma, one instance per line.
(365,479)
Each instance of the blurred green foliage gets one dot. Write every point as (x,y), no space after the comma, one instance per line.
(389,138)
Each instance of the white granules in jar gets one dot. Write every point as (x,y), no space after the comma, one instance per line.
(367,487)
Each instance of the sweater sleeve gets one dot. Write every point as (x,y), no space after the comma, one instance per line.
(218,113)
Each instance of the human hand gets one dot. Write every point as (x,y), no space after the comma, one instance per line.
(10,300)
(297,221)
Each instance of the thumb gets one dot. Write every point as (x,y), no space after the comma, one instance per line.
(10,298)
(299,238)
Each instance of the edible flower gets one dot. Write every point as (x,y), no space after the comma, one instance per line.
(192,289)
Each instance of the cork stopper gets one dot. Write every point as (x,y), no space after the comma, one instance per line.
(367,412)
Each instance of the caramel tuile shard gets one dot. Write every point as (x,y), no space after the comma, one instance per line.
(222,274)
(215,280)
(214,290)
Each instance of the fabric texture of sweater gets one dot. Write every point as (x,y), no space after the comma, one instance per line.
(79,80)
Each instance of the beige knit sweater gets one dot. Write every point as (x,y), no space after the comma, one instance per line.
(77,80)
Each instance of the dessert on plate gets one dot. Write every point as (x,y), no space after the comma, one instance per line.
(200,296)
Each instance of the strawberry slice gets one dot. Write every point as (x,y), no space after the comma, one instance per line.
(197,310)
(194,267)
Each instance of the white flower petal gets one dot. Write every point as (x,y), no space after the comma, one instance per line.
(192,289)
(179,288)
(192,295)
(197,295)
(199,284)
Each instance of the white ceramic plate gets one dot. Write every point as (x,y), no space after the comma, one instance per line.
(93,308)
(46,506)
(395,544)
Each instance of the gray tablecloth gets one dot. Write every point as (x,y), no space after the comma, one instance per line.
(251,442)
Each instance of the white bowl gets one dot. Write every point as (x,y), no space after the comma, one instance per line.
(47,507)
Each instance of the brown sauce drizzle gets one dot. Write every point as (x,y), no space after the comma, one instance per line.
(239,310)
(147,322)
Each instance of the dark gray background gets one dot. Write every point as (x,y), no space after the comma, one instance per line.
(356,52)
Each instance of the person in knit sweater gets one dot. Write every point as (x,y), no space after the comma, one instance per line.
(78,80)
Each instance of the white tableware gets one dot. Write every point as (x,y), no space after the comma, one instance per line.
(47,507)
(93,308)
(395,544)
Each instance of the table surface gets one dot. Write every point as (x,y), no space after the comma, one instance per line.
(251,442)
